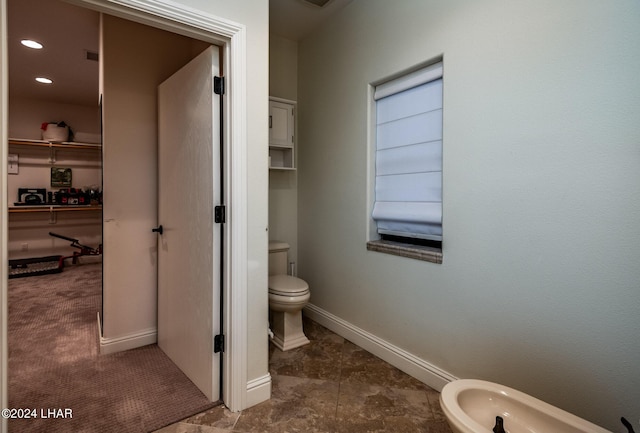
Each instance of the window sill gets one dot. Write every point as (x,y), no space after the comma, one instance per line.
(426,254)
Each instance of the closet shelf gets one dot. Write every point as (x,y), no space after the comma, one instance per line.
(51,145)
(53,208)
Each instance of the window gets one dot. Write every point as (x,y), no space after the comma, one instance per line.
(408,153)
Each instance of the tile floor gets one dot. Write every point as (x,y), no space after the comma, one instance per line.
(329,385)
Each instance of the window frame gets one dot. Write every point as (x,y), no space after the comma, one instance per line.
(394,245)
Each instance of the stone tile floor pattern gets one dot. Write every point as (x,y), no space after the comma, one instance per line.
(330,385)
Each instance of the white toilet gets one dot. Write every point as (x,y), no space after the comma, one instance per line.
(287,296)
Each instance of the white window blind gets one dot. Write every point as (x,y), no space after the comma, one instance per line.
(408,190)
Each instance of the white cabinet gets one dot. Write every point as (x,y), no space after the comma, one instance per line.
(281,134)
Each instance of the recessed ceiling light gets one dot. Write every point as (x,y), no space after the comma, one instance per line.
(31,44)
(44,80)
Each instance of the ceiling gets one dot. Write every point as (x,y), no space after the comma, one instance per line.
(295,19)
(68,32)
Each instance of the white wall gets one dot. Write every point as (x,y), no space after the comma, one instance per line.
(539,285)
(283,185)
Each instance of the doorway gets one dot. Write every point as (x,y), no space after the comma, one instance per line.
(232,38)
(135,59)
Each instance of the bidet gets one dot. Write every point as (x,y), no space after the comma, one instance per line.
(471,406)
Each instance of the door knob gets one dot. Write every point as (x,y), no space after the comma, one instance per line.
(158,229)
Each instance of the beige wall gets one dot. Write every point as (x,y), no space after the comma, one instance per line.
(32,230)
(283,67)
(283,185)
(539,285)
(26,115)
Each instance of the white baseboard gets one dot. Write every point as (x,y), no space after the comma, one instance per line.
(131,341)
(399,358)
(258,390)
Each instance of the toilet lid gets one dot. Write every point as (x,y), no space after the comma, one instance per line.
(287,285)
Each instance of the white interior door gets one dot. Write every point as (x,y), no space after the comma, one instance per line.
(189,247)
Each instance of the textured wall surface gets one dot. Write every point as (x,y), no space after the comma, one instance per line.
(539,288)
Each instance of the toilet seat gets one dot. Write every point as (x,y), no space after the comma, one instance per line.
(287,285)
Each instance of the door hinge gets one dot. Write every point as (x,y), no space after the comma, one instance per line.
(218,85)
(218,343)
(219,214)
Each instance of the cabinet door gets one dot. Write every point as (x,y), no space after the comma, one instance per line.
(280,124)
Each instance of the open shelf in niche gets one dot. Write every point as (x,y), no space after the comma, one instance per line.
(281,158)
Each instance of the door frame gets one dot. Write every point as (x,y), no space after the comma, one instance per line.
(231,37)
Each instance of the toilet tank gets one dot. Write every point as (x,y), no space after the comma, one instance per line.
(278,252)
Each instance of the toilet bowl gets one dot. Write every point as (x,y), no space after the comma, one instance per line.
(287,297)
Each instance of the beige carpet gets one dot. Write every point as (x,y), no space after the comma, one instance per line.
(54,364)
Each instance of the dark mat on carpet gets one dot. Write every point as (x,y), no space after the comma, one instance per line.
(54,364)
(21,268)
